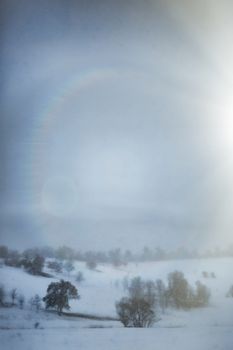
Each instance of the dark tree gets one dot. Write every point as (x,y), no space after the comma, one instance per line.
(3,251)
(59,294)
(2,295)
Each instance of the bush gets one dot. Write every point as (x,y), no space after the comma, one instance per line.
(2,295)
(33,265)
(55,266)
(80,277)
(137,310)
(91,264)
(21,301)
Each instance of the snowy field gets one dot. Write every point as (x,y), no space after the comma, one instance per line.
(206,328)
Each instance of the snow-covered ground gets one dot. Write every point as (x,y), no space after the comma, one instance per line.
(206,328)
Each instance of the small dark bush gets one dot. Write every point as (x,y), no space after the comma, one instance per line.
(91,264)
(2,295)
(55,266)
(80,277)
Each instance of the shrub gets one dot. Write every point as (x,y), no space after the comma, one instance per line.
(55,266)
(91,264)
(80,277)
(137,310)
(2,295)
(33,265)
(21,301)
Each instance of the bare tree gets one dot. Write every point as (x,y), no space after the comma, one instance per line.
(13,295)
(36,302)
(138,309)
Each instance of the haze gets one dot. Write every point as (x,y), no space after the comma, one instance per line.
(116,123)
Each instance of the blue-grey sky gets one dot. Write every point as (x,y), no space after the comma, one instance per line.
(116,123)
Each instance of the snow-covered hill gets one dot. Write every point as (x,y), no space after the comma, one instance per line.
(209,328)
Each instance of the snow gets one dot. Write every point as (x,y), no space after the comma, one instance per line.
(206,328)
(119,338)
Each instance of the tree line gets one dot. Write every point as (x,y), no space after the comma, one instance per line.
(116,257)
(140,307)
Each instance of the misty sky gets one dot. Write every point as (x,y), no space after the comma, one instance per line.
(116,123)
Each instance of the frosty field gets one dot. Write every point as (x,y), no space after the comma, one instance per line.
(206,328)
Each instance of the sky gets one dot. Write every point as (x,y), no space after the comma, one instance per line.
(116,123)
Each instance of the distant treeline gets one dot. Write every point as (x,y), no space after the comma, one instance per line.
(116,256)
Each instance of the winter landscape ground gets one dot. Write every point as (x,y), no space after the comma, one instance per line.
(205,328)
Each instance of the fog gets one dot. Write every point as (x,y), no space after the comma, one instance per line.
(116,123)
